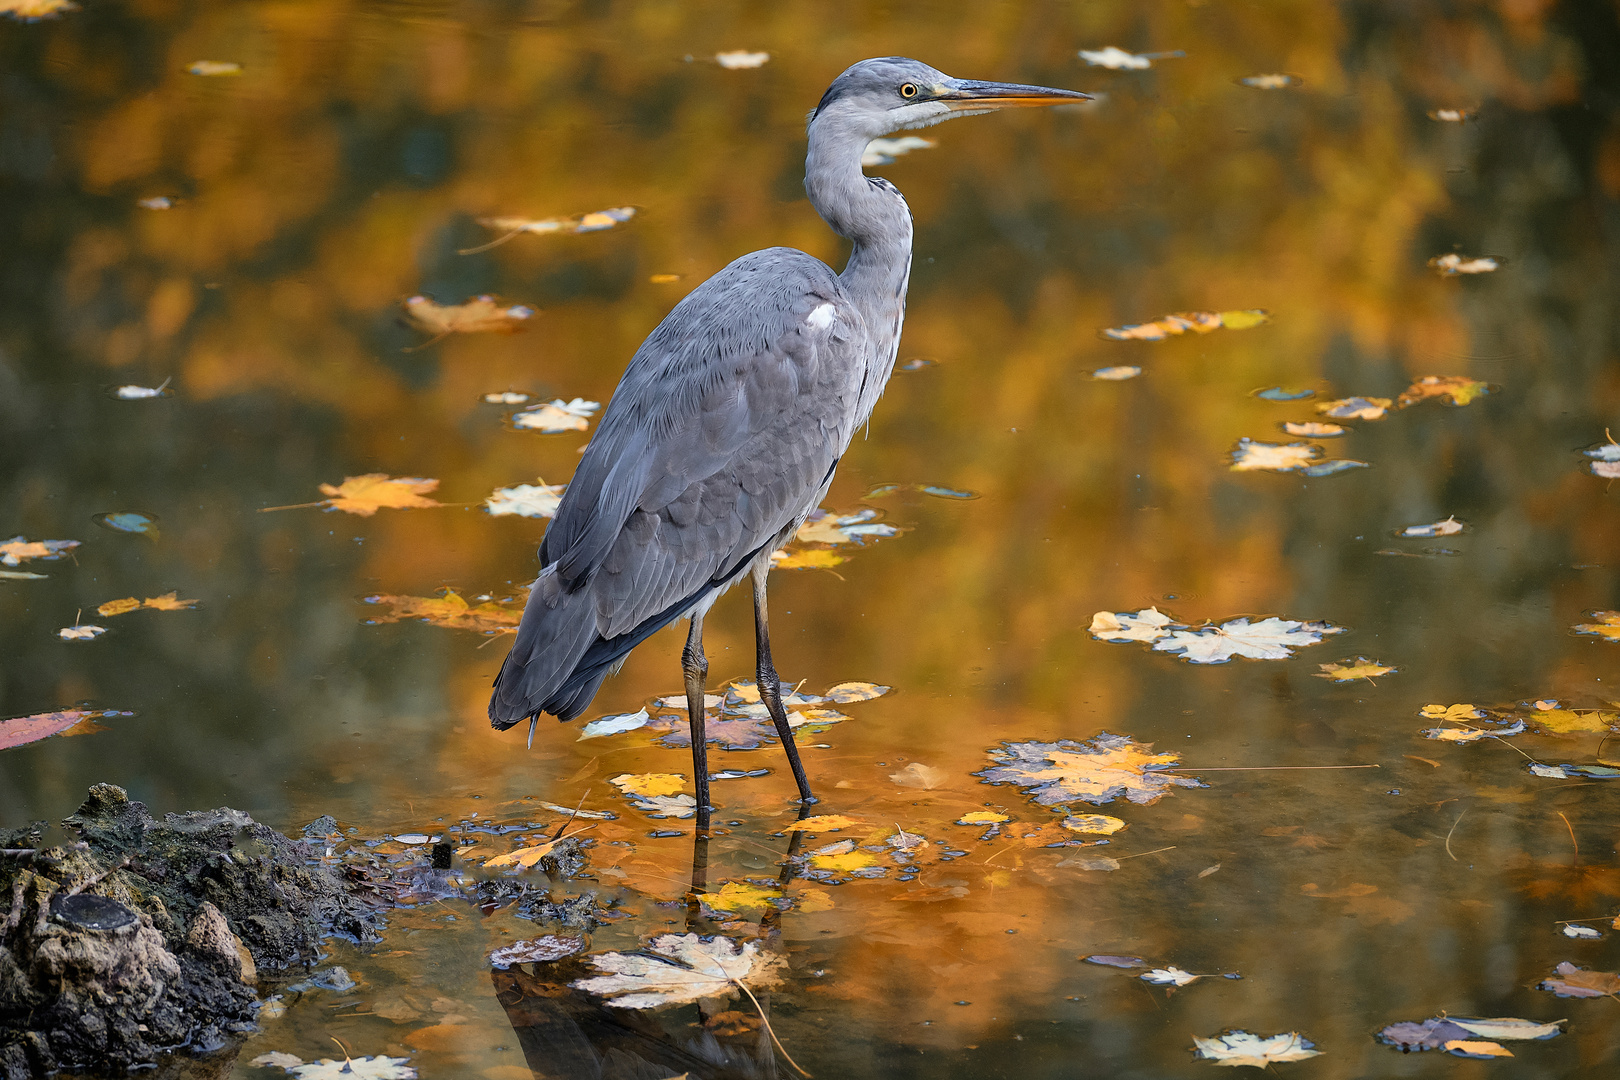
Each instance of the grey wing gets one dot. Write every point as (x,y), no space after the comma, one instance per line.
(721,436)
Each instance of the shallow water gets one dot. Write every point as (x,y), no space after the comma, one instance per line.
(344,168)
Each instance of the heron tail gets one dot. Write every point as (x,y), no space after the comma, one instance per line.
(558,627)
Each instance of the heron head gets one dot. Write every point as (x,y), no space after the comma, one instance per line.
(875,97)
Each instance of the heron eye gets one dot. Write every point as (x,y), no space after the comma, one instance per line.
(907,90)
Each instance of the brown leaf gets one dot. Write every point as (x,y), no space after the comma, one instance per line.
(1571,981)
(449,610)
(22,730)
(480,315)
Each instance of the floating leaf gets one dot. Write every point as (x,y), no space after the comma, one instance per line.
(34,10)
(918,775)
(129,521)
(1571,981)
(614,725)
(21,575)
(1355,408)
(506,397)
(822,823)
(1149,624)
(137,393)
(1449,527)
(1242,1048)
(678,968)
(1268,639)
(365,495)
(449,610)
(214,68)
(666,806)
(169,601)
(1607,625)
(156,202)
(1278,393)
(21,730)
(380,1067)
(1270,82)
(884,151)
(663,279)
(1567,721)
(823,527)
(1451,264)
(1454,713)
(1432,1034)
(479,315)
(981,817)
(557,416)
(807,559)
(1575,931)
(16,551)
(1473,734)
(78,632)
(1170,976)
(1503,1028)
(526,500)
(1116,59)
(1449,389)
(1198,322)
(1093,824)
(1608,451)
(1096,771)
(742,896)
(849,692)
(1452,116)
(1345,671)
(1313,430)
(524,857)
(741,58)
(1107,960)
(1331,468)
(1248,456)
(939,492)
(595,221)
(1116,374)
(539,950)
(649,784)
(1472,1048)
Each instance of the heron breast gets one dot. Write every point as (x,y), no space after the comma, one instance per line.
(822,317)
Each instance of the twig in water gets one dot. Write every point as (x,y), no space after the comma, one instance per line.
(1454,825)
(766,1021)
(558,834)
(1139,854)
(1572,839)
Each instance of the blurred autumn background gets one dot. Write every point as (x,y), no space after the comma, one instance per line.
(346,166)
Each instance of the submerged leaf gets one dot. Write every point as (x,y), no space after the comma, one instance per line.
(1093,824)
(742,896)
(1270,82)
(981,817)
(1242,1048)
(918,775)
(479,315)
(1198,322)
(1097,771)
(681,968)
(649,784)
(821,823)
(1451,264)
(449,610)
(128,521)
(806,559)
(538,950)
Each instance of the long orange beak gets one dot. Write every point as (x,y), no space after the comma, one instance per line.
(962,95)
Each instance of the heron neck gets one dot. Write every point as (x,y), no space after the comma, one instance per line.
(873,215)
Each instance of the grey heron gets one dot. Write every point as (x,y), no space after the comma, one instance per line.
(724,433)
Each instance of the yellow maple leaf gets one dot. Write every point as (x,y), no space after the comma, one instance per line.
(849,860)
(805,559)
(1457,713)
(822,823)
(1607,625)
(1097,771)
(739,896)
(1566,721)
(365,495)
(649,784)
(810,901)
(1346,672)
(1182,322)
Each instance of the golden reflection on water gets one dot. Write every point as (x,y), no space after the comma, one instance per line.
(343,169)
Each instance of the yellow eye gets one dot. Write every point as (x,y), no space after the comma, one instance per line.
(907,90)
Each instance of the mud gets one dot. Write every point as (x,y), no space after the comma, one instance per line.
(146,937)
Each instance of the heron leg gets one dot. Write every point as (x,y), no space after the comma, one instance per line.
(770,684)
(695,666)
